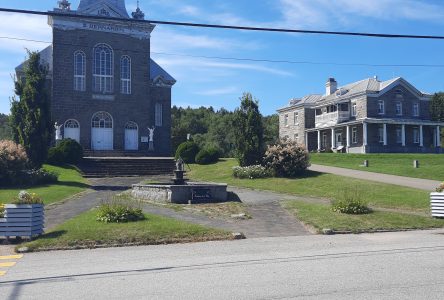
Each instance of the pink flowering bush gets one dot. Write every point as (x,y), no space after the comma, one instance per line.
(286,159)
(13,160)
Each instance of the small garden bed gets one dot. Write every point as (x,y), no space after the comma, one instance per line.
(84,231)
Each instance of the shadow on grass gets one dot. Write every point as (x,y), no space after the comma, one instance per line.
(51,235)
(73,184)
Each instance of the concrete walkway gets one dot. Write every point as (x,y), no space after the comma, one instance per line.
(416,183)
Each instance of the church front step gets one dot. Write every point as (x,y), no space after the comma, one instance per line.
(126,166)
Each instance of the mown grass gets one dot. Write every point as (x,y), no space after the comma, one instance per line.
(84,231)
(430,165)
(321,216)
(70,183)
(320,185)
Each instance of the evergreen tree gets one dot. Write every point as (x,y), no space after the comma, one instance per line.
(5,129)
(30,114)
(437,107)
(248,132)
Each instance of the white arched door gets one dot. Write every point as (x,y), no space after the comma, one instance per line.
(102,131)
(131,136)
(72,130)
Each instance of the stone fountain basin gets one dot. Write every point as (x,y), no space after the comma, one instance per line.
(181,194)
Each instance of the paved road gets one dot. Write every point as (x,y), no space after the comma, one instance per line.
(406,265)
(417,183)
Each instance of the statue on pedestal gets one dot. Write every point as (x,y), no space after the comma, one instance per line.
(58,132)
(151,138)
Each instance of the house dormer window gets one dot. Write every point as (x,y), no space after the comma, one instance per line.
(381,107)
(398,108)
(416,109)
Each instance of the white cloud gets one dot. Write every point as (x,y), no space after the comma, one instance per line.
(324,13)
(208,65)
(26,27)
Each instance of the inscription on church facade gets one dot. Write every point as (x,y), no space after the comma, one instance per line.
(103,27)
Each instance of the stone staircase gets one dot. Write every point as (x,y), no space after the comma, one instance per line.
(94,167)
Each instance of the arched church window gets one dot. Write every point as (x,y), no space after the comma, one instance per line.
(125,75)
(158,116)
(131,126)
(79,71)
(103,69)
(102,120)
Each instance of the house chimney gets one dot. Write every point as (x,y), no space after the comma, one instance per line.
(331,86)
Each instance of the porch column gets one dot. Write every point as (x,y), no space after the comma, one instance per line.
(403,135)
(385,134)
(333,144)
(438,136)
(319,140)
(421,137)
(306,140)
(364,133)
(348,136)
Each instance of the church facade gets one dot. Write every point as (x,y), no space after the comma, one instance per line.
(106,91)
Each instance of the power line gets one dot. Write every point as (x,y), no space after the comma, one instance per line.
(245,59)
(214,26)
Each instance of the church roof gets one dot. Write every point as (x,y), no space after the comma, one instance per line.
(45,59)
(117,7)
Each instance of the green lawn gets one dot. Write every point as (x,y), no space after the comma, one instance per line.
(430,165)
(320,216)
(84,231)
(409,208)
(319,185)
(70,183)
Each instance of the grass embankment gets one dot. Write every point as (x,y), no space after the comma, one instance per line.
(430,165)
(70,183)
(84,231)
(409,207)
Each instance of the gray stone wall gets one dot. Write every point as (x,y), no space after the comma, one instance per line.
(391,98)
(137,107)
(294,127)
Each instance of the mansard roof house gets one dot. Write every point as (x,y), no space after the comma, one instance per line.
(368,116)
(106,91)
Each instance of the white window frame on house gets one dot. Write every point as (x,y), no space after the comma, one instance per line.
(399,135)
(354,109)
(125,75)
(381,107)
(415,135)
(416,109)
(79,71)
(286,120)
(398,108)
(158,117)
(103,69)
(381,133)
(296,117)
(354,135)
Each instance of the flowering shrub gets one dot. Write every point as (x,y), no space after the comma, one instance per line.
(286,159)
(2,211)
(27,198)
(13,160)
(38,177)
(440,188)
(252,172)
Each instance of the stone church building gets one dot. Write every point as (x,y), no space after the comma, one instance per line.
(106,91)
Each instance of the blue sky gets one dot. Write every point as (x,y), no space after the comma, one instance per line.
(220,83)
